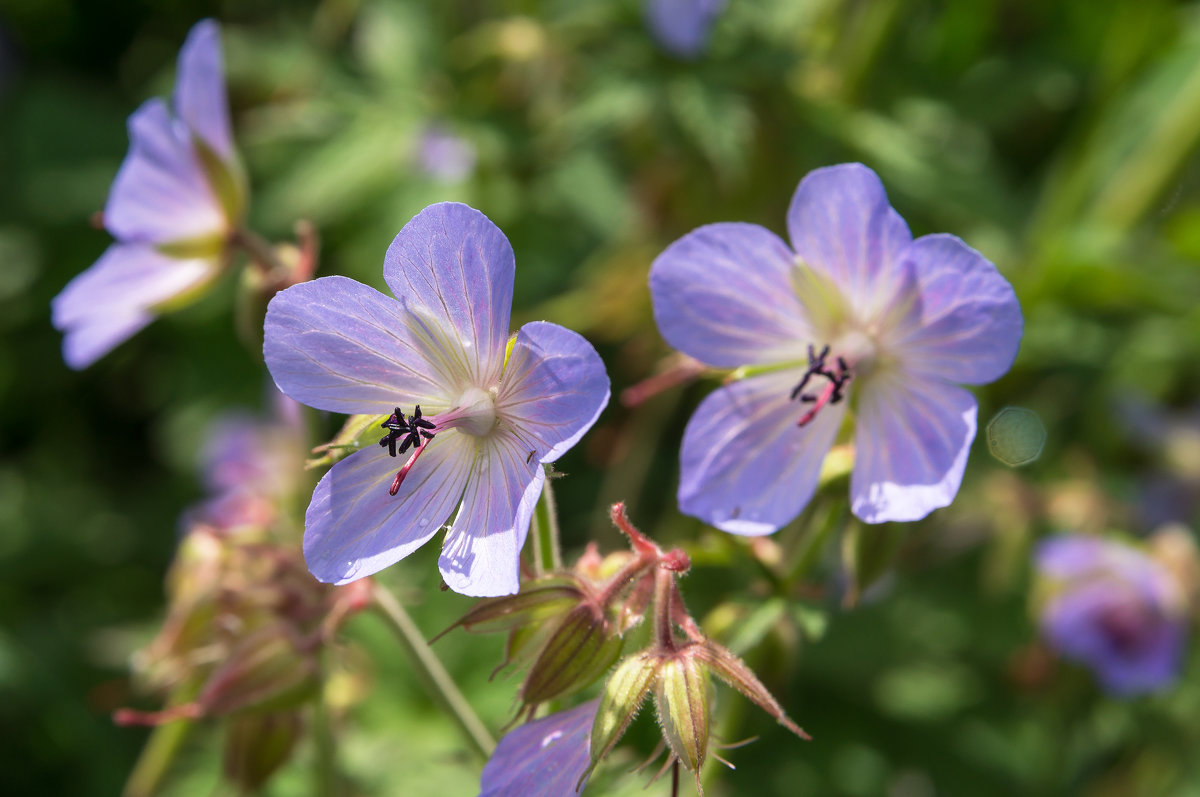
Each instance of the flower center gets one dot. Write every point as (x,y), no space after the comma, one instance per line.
(1126,627)
(475,415)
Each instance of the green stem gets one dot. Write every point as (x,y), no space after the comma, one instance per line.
(440,683)
(325,758)
(547,545)
(160,750)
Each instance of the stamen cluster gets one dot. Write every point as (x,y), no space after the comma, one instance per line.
(408,432)
(831,393)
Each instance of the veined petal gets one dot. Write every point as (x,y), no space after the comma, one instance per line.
(200,99)
(336,344)
(161,194)
(841,225)
(970,322)
(453,268)
(116,297)
(482,551)
(911,447)
(543,758)
(554,388)
(354,528)
(724,295)
(747,468)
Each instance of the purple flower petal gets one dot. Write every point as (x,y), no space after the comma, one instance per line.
(543,758)
(970,322)
(842,226)
(161,193)
(200,99)
(354,528)
(482,552)
(105,305)
(554,388)
(911,447)
(747,468)
(724,295)
(336,344)
(452,268)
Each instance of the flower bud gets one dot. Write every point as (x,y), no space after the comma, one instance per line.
(268,669)
(681,695)
(624,693)
(580,649)
(256,745)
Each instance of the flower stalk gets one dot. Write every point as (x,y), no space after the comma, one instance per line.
(442,686)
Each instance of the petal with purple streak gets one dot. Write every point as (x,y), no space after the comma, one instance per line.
(161,193)
(842,226)
(724,295)
(911,446)
(747,468)
(452,268)
(336,344)
(970,322)
(553,390)
(354,528)
(482,552)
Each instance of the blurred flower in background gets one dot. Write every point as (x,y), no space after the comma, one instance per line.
(893,322)
(1114,608)
(175,202)
(444,156)
(682,26)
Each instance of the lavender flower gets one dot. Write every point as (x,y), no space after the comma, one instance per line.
(444,156)
(682,26)
(1113,608)
(543,758)
(173,205)
(468,424)
(856,311)
(251,466)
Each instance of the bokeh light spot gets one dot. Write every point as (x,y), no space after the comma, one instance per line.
(1016,436)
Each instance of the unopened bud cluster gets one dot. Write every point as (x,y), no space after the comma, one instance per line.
(570,629)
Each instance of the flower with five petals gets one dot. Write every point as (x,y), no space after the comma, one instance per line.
(854,313)
(486,412)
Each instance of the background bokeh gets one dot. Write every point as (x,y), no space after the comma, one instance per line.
(1056,137)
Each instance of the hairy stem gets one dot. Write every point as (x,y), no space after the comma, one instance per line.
(439,682)
(547,544)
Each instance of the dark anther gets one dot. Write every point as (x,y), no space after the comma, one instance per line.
(408,432)
(833,392)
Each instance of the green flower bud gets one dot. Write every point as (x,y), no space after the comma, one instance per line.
(624,693)
(681,695)
(580,649)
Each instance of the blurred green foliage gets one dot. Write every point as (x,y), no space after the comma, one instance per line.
(1058,138)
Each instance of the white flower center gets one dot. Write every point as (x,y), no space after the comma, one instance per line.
(476,412)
